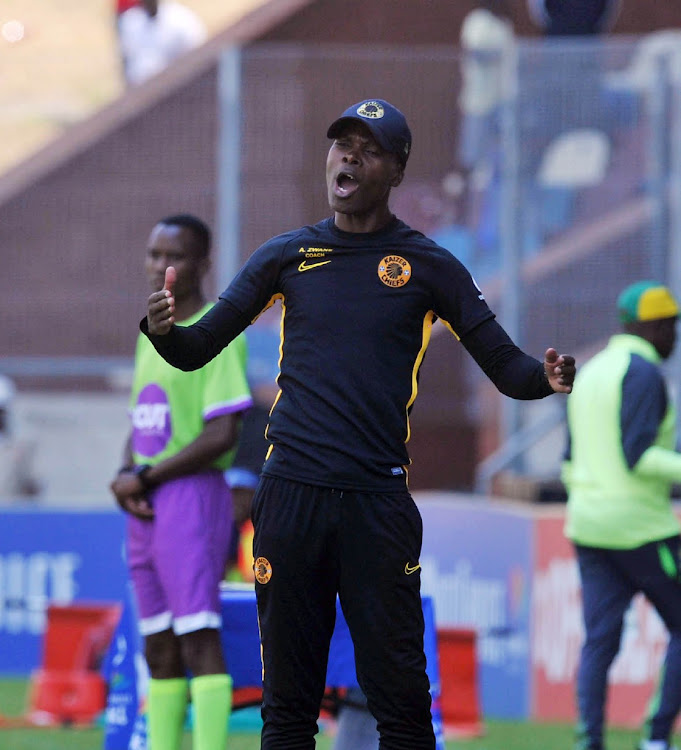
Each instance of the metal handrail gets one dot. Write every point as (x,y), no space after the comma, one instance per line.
(514,447)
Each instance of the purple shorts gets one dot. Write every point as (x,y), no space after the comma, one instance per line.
(178,560)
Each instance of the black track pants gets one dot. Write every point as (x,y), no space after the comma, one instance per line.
(312,543)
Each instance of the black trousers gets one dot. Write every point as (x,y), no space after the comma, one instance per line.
(312,543)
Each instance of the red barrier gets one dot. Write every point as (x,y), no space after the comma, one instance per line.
(68,687)
(460,701)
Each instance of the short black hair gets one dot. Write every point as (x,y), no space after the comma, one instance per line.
(198,228)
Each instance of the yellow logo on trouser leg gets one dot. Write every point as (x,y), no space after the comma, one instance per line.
(262,569)
(409,569)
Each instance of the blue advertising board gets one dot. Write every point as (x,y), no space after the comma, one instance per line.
(55,557)
(477,565)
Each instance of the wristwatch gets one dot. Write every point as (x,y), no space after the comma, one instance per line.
(141,473)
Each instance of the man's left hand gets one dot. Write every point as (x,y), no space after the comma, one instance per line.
(560,370)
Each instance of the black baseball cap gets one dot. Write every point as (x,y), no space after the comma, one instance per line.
(386,123)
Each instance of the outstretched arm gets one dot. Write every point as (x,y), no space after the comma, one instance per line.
(189,347)
(513,372)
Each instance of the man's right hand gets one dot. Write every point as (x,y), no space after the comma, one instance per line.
(161,306)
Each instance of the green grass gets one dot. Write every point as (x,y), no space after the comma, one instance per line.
(499,735)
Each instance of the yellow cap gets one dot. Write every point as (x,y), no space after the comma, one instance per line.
(646,300)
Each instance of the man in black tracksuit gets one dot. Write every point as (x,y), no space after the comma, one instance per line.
(360,292)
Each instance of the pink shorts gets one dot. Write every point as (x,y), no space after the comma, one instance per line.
(178,560)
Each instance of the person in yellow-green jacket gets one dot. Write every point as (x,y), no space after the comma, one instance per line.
(620,464)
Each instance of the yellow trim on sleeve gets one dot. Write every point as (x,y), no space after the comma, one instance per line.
(425,340)
(450,329)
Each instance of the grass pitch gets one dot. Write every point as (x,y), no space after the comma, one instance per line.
(499,735)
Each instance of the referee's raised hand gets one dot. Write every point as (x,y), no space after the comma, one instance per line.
(161,306)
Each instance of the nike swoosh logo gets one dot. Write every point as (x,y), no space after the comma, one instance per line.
(408,569)
(304,267)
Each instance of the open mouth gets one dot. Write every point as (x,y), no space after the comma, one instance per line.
(346,184)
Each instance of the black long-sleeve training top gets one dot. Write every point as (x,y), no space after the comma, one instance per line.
(357,313)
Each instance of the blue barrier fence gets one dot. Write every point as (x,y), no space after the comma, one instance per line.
(53,557)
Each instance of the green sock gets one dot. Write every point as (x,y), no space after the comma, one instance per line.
(212,700)
(167,705)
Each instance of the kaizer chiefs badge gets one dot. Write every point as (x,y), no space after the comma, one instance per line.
(371,110)
(394,271)
(262,569)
